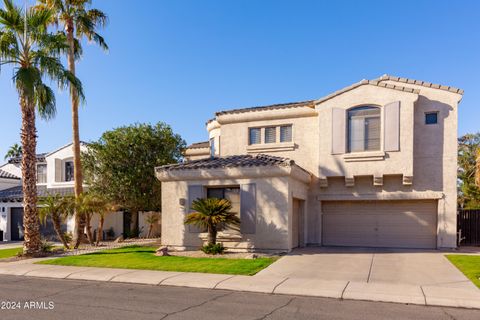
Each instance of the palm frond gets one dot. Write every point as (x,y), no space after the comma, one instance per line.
(45,101)
(26,79)
(11,17)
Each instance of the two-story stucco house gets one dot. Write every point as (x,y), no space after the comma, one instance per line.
(54,176)
(371,165)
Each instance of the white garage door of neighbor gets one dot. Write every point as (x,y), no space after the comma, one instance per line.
(394,224)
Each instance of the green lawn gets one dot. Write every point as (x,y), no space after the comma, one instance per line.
(136,257)
(8,253)
(469,265)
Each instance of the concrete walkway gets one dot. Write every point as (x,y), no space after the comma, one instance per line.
(461,293)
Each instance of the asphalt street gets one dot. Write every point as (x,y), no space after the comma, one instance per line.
(37,298)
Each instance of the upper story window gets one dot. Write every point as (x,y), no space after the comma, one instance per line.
(286,133)
(364,129)
(69,171)
(270,134)
(41,173)
(254,136)
(431,118)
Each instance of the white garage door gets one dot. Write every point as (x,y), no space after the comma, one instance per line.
(396,224)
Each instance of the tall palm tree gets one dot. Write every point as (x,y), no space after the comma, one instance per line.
(56,208)
(79,22)
(15,151)
(32,52)
(210,213)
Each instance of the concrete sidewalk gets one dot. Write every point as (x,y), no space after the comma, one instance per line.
(430,295)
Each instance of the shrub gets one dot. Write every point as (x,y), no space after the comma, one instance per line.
(46,246)
(217,248)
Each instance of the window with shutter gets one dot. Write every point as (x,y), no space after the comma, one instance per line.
(270,134)
(286,133)
(364,129)
(254,135)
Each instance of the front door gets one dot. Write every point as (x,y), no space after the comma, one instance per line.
(16,225)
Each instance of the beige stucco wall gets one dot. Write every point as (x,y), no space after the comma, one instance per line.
(272,214)
(427,155)
(305,135)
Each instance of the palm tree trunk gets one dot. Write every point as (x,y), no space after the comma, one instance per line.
(58,229)
(100,229)
(150,229)
(77,165)
(212,234)
(88,221)
(32,241)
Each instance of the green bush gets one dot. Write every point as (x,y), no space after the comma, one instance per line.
(213,248)
(46,246)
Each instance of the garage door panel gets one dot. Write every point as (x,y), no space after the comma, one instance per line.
(402,224)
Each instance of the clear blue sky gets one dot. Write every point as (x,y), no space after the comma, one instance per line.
(180,61)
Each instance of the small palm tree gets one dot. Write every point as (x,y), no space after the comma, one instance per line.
(56,208)
(85,208)
(210,213)
(151,219)
(15,151)
(33,53)
(79,22)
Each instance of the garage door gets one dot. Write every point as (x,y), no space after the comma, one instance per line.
(396,224)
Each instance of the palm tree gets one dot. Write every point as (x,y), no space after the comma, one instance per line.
(32,52)
(100,206)
(210,213)
(56,208)
(78,22)
(15,151)
(151,219)
(84,209)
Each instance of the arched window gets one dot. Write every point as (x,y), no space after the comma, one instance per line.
(364,129)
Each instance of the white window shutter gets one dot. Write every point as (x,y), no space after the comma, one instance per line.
(248,208)
(338,131)
(194,192)
(392,126)
(58,170)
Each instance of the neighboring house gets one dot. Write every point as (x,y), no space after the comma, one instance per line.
(371,165)
(54,176)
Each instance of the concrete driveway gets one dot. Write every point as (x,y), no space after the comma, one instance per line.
(410,267)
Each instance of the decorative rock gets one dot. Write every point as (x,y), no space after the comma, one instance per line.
(251,256)
(119,239)
(162,252)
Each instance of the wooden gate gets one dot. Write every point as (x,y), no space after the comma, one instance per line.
(468,227)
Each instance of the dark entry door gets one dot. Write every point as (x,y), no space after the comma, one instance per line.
(16,225)
(127,220)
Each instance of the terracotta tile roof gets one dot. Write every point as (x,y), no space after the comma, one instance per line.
(199,145)
(420,83)
(8,175)
(367,82)
(40,158)
(229,162)
(16,193)
(308,103)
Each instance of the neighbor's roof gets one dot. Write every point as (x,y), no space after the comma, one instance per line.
(199,145)
(40,158)
(8,175)
(259,160)
(16,193)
